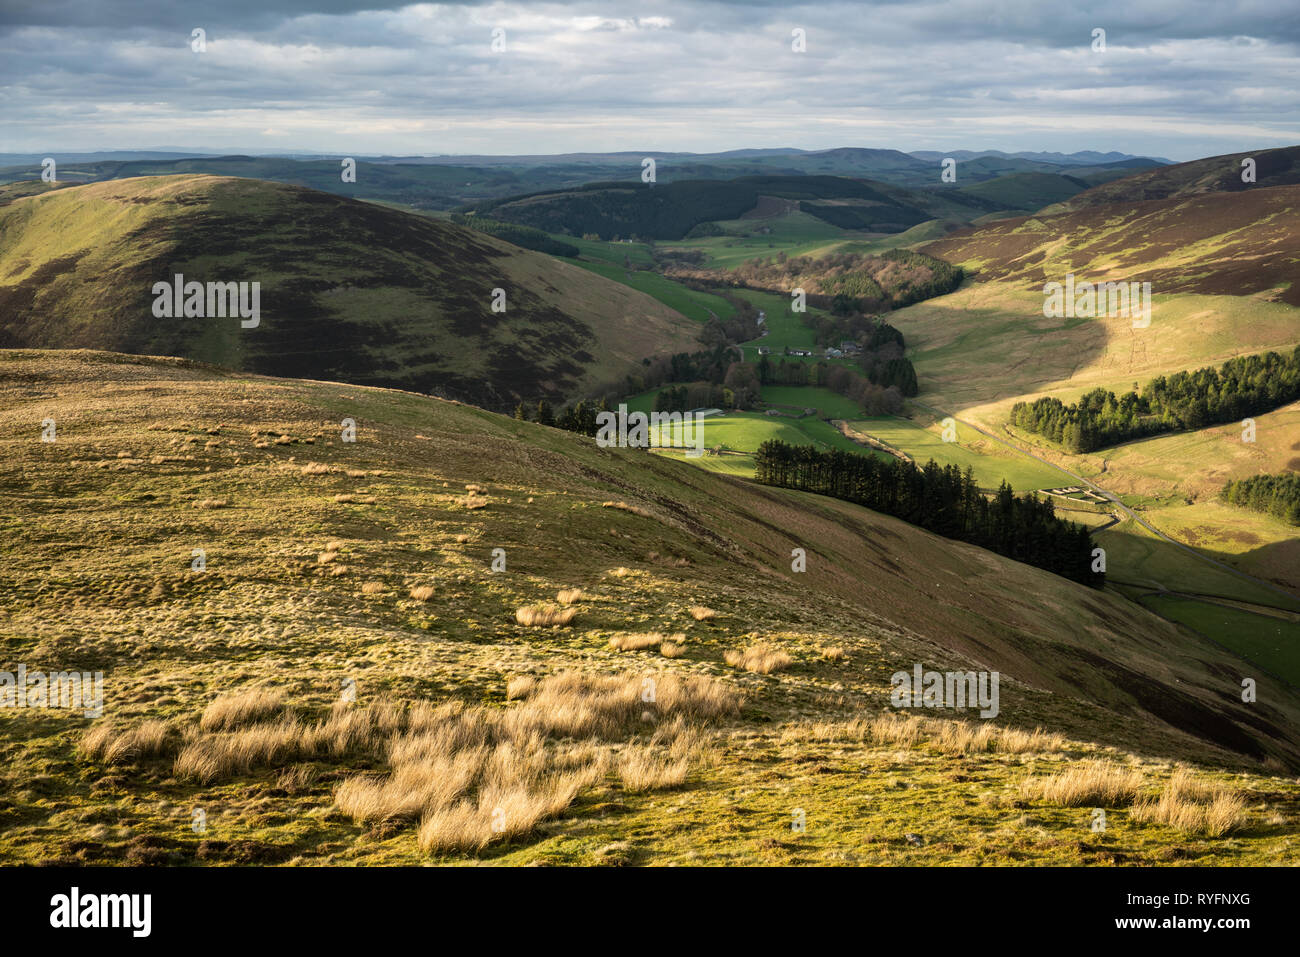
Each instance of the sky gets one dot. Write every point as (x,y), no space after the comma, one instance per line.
(1175,79)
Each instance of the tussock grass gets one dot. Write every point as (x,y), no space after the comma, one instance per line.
(760,659)
(1089,784)
(832,654)
(1194,806)
(619,572)
(232,711)
(116,744)
(541,615)
(520,686)
(212,503)
(891,729)
(473,502)
(637,641)
(625,507)
(317,468)
(701,613)
(472,775)
(568,596)
(422,592)
(670,649)
(373,588)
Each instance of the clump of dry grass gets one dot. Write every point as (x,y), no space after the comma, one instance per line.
(833,653)
(473,775)
(670,649)
(346,498)
(373,588)
(462,538)
(212,503)
(1038,741)
(316,468)
(1194,806)
(637,641)
(540,615)
(620,572)
(472,502)
(569,596)
(422,592)
(520,686)
(625,507)
(1089,784)
(232,711)
(324,558)
(701,613)
(760,659)
(115,744)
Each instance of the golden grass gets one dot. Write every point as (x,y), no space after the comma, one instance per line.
(473,502)
(670,649)
(232,711)
(212,503)
(760,659)
(701,613)
(568,596)
(540,615)
(620,572)
(637,641)
(625,507)
(1194,806)
(115,744)
(1089,784)
(316,468)
(373,588)
(520,686)
(832,654)
(891,729)
(422,592)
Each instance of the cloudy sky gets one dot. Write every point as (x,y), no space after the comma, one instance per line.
(1176,79)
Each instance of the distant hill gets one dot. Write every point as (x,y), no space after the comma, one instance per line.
(1201,242)
(349,290)
(1216,174)
(671,210)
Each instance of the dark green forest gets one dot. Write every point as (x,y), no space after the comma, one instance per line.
(943,500)
(1241,387)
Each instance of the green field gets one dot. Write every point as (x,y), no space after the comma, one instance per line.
(786,329)
(744,431)
(700,306)
(795,234)
(923,444)
(1269,642)
(829,405)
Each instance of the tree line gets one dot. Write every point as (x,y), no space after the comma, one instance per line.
(1276,495)
(1241,387)
(941,499)
(524,236)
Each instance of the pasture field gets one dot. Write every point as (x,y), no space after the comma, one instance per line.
(700,306)
(829,405)
(922,439)
(1266,640)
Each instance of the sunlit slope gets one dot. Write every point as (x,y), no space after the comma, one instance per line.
(348,290)
(155,458)
(1221,269)
(1213,174)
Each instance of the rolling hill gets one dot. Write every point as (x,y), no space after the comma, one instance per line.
(1214,174)
(370,566)
(348,290)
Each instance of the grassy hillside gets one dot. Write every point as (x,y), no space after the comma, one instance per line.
(1214,174)
(366,569)
(349,290)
